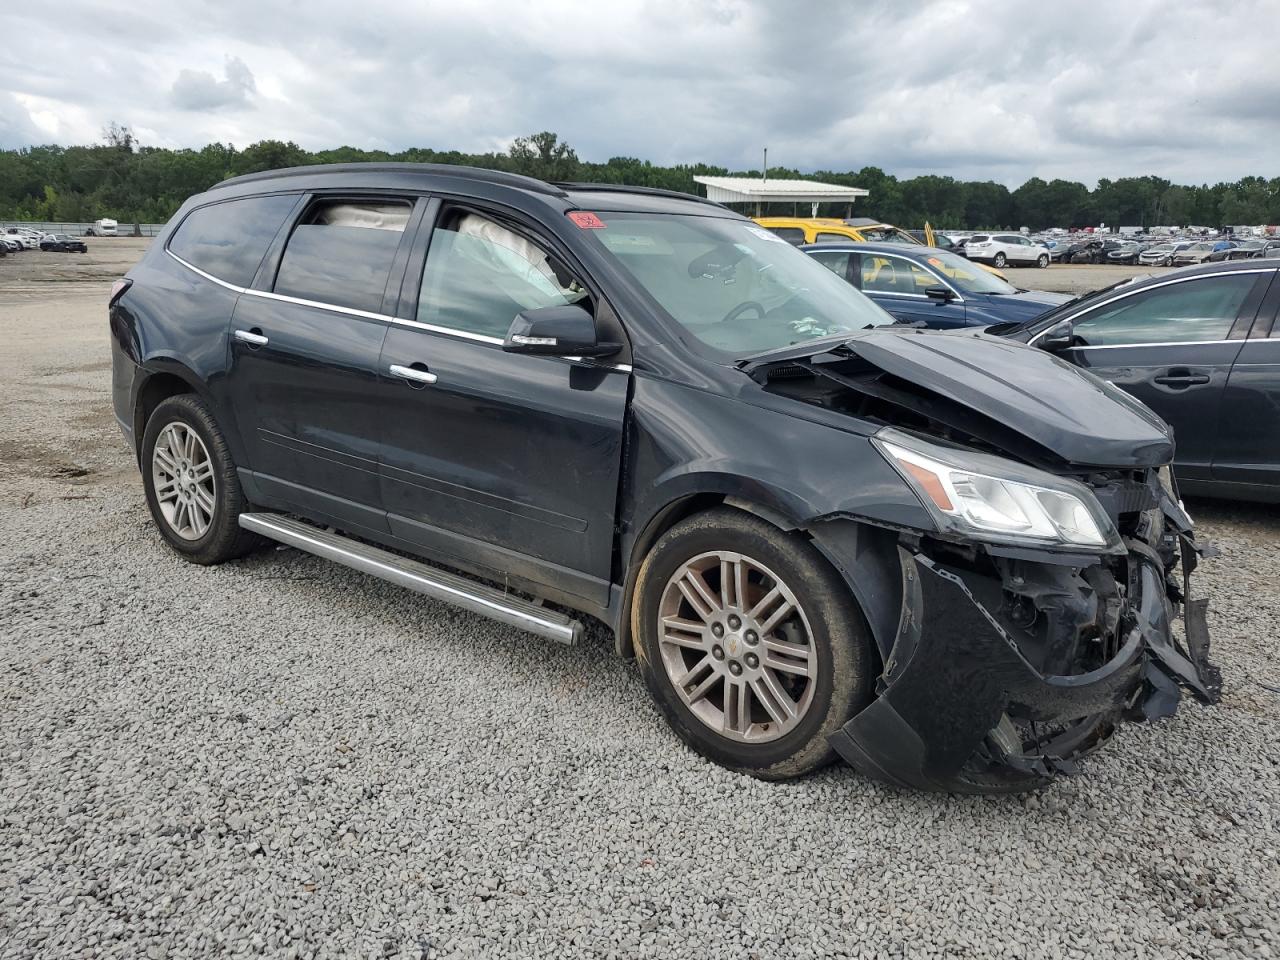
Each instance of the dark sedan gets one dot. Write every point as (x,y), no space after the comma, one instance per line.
(61,243)
(1200,347)
(931,286)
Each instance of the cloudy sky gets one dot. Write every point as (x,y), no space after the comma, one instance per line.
(1189,91)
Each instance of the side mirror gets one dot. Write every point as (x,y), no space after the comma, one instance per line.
(1058,337)
(944,294)
(562,330)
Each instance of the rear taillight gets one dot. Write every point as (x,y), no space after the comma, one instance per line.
(118,288)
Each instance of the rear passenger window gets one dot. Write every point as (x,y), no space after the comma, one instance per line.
(479,274)
(228,240)
(341,253)
(793,235)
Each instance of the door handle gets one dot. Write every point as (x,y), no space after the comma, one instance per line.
(1181,378)
(251,337)
(413,373)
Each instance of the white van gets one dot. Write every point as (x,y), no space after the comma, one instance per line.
(102,228)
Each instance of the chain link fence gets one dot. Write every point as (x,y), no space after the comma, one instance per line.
(81,229)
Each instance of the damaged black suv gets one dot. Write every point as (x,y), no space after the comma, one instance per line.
(954,560)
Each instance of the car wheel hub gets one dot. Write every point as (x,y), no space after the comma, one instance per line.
(736,647)
(182,475)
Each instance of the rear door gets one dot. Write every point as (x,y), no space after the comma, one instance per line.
(305,344)
(1172,346)
(502,461)
(1249,436)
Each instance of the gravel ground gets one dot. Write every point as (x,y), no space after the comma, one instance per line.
(1075,278)
(280,757)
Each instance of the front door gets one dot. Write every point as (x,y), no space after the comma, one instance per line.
(502,461)
(1172,347)
(304,360)
(898,285)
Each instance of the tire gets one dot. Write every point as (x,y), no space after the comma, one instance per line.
(178,508)
(1043,261)
(825,624)
(1000,261)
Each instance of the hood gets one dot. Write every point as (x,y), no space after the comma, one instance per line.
(1011,307)
(1020,399)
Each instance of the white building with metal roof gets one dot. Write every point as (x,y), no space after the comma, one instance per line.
(759,190)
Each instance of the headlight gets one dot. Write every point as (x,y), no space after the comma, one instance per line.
(984,497)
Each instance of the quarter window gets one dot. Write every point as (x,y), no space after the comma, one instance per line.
(228,240)
(341,253)
(1192,310)
(479,274)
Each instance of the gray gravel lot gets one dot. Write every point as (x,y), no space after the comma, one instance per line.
(280,757)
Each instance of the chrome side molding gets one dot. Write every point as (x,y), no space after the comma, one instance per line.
(418,577)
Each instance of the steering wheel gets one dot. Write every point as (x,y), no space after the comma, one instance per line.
(742,308)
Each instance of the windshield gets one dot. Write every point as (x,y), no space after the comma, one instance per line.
(732,284)
(968,276)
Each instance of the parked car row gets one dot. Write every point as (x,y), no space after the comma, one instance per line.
(1147,250)
(801,230)
(21,238)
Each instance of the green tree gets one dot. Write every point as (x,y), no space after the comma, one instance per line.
(545,156)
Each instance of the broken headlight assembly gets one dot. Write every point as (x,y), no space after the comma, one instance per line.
(983,497)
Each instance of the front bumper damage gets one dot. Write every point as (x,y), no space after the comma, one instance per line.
(1006,666)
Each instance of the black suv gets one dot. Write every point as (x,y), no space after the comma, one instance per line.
(950,558)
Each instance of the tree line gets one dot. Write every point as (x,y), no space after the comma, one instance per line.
(139,184)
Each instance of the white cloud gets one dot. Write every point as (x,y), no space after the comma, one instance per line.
(201,90)
(953,86)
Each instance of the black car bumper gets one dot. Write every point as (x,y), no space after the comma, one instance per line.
(1005,670)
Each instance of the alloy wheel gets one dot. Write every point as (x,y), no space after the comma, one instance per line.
(737,647)
(182,474)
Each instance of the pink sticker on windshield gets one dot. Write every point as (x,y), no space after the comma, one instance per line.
(586,221)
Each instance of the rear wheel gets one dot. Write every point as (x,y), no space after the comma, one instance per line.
(192,488)
(1000,261)
(750,642)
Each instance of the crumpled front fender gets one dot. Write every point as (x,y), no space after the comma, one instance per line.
(954,673)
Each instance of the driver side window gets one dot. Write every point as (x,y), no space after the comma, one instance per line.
(1192,310)
(893,275)
(479,274)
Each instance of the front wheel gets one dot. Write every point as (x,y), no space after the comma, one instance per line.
(192,488)
(750,643)
(1000,261)
(1043,261)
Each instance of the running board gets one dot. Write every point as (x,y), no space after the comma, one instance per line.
(438,584)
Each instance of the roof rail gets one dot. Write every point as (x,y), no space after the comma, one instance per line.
(650,191)
(459,171)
